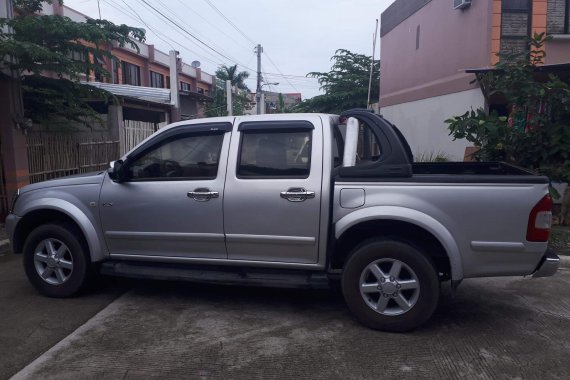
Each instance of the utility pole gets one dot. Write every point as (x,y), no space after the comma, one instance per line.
(259,50)
(229,97)
(174,95)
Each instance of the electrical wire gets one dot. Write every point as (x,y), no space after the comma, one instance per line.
(230,22)
(186,31)
(279,71)
(289,78)
(161,35)
(204,38)
(214,26)
(228,59)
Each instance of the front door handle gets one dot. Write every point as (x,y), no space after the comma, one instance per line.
(297,194)
(203,194)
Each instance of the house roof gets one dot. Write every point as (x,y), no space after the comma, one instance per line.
(147,94)
(560,69)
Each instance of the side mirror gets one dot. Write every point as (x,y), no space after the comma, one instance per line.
(115,171)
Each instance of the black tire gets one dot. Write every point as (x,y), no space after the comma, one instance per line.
(383,249)
(77,278)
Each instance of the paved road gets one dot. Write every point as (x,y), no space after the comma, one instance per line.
(30,324)
(492,328)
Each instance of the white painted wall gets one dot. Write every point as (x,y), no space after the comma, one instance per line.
(206,78)
(188,70)
(74,15)
(422,121)
(161,57)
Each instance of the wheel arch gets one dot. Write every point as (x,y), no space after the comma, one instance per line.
(44,211)
(398,222)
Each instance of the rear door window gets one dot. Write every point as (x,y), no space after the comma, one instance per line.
(275,154)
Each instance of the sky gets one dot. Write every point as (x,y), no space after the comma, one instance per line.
(298,36)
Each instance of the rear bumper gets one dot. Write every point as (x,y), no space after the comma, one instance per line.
(548,265)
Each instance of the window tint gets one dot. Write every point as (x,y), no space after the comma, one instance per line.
(186,157)
(275,154)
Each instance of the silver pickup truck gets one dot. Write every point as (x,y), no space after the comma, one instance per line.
(291,200)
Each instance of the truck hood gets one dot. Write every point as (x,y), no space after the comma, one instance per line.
(77,179)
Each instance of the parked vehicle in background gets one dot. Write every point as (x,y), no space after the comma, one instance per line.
(295,200)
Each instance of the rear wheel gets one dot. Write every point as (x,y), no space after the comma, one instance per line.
(390,285)
(55,260)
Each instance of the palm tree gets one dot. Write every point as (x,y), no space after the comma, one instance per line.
(231,73)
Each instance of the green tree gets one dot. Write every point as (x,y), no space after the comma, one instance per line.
(280,104)
(231,73)
(346,85)
(218,107)
(32,45)
(237,78)
(535,133)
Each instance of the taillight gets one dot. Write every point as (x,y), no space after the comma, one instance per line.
(540,220)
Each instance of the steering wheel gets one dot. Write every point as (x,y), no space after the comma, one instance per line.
(171,168)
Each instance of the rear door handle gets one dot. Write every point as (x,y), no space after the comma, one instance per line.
(297,194)
(203,194)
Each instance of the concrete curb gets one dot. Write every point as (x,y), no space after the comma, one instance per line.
(564,262)
(4,246)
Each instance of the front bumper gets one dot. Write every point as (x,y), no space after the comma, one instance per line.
(548,265)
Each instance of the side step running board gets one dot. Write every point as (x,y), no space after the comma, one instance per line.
(216,275)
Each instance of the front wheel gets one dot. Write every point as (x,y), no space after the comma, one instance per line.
(55,260)
(390,285)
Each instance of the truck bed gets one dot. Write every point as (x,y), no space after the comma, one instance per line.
(481,172)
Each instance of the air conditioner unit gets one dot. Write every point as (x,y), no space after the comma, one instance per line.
(460,4)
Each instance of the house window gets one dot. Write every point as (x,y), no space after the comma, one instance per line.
(557,17)
(168,82)
(200,90)
(100,64)
(566,25)
(156,80)
(185,86)
(80,56)
(516,20)
(115,70)
(131,74)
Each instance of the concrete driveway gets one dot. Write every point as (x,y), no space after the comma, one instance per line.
(492,328)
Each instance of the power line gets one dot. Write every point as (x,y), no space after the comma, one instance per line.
(187,6)
(141,20)
(279,71)
(161,35)
(175,16)
(229,21)
(287,77)
(186,31)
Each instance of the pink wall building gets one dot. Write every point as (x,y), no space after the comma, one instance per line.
(426,46)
